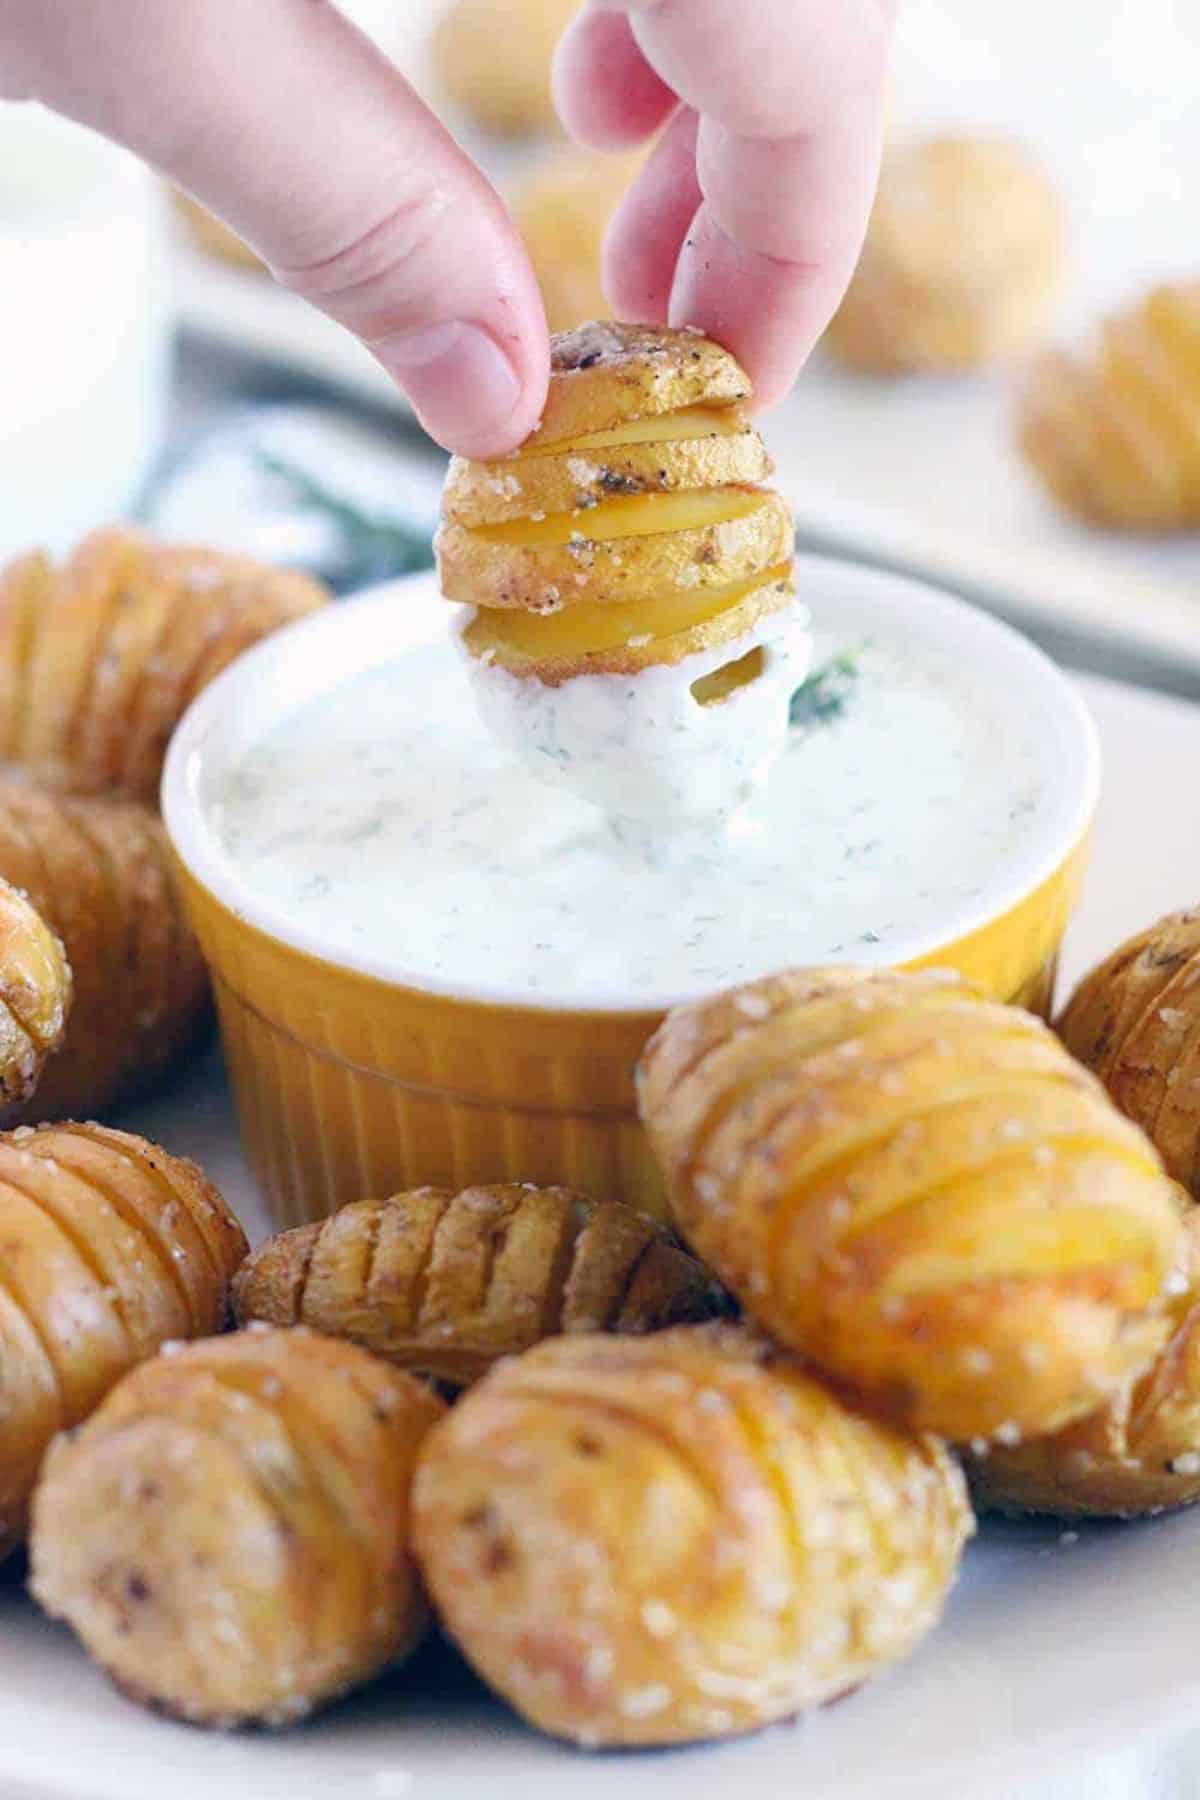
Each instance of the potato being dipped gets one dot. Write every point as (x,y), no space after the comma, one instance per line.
(636,632)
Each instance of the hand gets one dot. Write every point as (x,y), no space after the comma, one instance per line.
(283,119)
(748,218)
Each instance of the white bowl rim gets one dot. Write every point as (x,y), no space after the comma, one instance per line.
(389,617)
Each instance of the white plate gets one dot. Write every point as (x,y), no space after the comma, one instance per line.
(1052,1652)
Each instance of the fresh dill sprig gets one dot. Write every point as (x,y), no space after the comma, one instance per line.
(826,693)
(372,547)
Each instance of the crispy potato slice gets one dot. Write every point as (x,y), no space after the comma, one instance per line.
(919,1190)
(604,374)
(680,1537)
(523,487)
(622,640)
(447,1284)
(101,1266)
(626,550)
(228,1535)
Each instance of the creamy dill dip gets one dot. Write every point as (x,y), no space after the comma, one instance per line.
(386,821)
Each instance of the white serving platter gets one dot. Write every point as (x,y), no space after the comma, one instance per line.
(1055,1651)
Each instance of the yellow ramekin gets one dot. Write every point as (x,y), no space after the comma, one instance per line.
(351,1080)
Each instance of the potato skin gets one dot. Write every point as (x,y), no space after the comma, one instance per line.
(520,487)
(483,642)
(1111,434)
(919,1190)
(99,873)
(1139,1454)
(484,572)
(1135,1022)
(446,1284)
(605,373)
(35,995)
(962,260)
(100,658)
(668,1539)
(228,1534)
(110,1247)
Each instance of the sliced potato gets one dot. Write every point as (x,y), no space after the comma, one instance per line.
(626,550)
(448,1284)
(920,1191)
(229,1533)
(621,640)
(681,1537)
(604,374)
(721,454)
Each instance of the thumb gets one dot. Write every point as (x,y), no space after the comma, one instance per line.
(291,126)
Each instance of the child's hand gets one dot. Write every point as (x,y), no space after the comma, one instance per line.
(750,215)
(282,118)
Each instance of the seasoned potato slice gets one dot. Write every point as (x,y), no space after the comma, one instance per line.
(919,1190)
(705,447)
(111,1247)
(447,1284)
(604,374)
(621,640)
(228,1535)
(1135,1021)
(628,549)
(680,1537)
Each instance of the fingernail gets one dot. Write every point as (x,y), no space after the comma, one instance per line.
(462,387)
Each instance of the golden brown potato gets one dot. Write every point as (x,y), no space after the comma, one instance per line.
(918,1189)
(447,1284)
(35,995)
(606,374)
(99,873)
(1139,1454)
(1135,1021)
(562,209)
(666,1539)
(611,639)
(1114,436)
(110,1248)
(716,447)
(214,237)
(229,1534)
(629,549)
(99,658)
(493,57)
(640,539)
(961,264)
